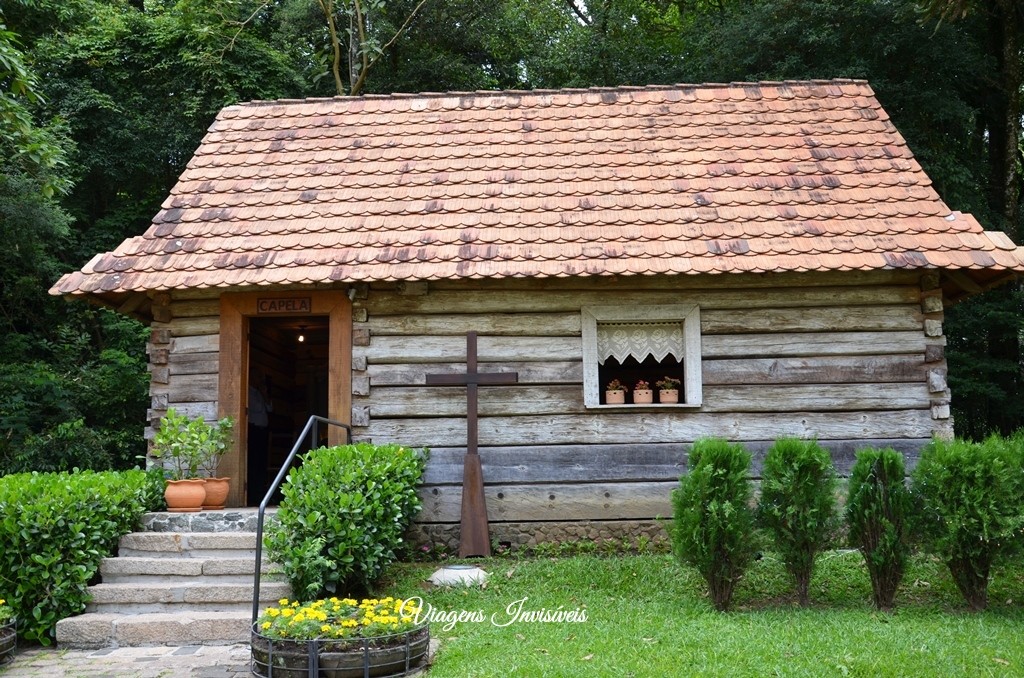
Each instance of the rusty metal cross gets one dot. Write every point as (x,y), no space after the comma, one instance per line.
(474,536)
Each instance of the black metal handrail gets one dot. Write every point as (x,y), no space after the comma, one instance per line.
(311,426)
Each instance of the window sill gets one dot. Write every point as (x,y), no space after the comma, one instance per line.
(646,406)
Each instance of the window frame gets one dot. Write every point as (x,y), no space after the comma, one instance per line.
(687,314)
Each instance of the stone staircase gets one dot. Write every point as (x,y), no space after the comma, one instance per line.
(186,579)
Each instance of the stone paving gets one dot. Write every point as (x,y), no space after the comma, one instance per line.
(189,661)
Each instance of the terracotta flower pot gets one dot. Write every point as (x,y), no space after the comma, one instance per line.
(614,397)
(216,493)
(185,496)
(642,396)
(668,395)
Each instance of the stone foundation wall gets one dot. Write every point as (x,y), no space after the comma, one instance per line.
(519,536)
(230,520)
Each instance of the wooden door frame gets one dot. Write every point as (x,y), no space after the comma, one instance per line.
(236,309)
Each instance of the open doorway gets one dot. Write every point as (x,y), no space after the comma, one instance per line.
(288,381)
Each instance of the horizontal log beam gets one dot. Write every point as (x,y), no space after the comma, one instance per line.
(809,370)
(513,301)
(596,501)
(850,318)
(432,349)
(653,427)
(628,462)
(511,400)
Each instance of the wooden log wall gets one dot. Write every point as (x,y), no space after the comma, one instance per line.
(184,356)
(854,359)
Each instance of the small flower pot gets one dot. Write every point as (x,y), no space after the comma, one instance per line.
(668,395)
(643,396)
(216,493)
(614,397)
(185,496)
(8,640)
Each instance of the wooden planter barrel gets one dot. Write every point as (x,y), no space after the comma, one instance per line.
(401,654)
(8,640)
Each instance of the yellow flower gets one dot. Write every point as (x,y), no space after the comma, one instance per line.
(266,625)
(326,628)
(274,612)
(287,612)
(282,602)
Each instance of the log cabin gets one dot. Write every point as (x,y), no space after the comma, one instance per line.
(774,247)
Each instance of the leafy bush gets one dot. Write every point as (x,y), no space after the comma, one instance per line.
(972,510)
(714,523)
(342,516)
(876,512)
(798,505)
(54,530)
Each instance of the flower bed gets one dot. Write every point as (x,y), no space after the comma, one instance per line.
(339,638)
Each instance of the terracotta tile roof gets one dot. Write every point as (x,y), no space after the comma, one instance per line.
(794,176)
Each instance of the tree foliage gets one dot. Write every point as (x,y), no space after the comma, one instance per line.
(88,152)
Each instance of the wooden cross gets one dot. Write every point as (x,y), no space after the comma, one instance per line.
(474,537)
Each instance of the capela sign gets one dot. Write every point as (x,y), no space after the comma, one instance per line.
(284,305)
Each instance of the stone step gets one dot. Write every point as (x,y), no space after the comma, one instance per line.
(168,570)
(100,630)
(228,520)
(188,545)
(175,597)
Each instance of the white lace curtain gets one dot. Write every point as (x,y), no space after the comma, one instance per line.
(639,339)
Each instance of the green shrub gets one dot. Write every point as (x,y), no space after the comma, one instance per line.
(798,505)
(714,524)
(972,510)
(342,516)
(54,530)
(876,513)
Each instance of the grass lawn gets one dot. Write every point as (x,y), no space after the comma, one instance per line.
(648,616)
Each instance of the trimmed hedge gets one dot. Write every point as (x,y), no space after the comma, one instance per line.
(54,530)
(343,515)
(798,505)
(877,510)
(972,501)
(713,519)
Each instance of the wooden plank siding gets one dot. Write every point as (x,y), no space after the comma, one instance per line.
(855,359)
(187,381)
(842,362)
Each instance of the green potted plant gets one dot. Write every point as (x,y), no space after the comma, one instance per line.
(642,393)
(214,442)
(8,636)
(668,389)
(349,639)
(615,393)
(188,449)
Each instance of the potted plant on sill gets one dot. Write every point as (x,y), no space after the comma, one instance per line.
(8,635)
(615,393)
(668,389)
(345,638)
(642,393)
(187,448)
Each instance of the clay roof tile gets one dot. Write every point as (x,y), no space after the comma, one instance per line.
(685,179)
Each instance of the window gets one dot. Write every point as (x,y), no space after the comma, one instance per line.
(647,342)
